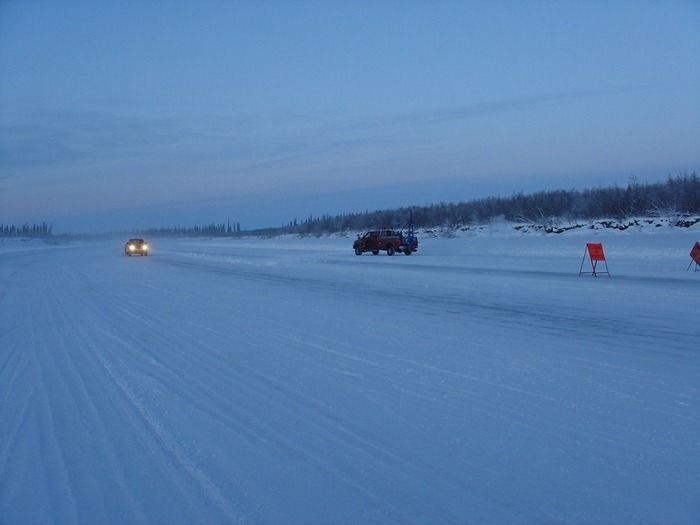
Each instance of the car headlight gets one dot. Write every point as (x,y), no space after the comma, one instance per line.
(132,247)
(145,246)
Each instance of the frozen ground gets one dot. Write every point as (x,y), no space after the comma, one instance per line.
(290,381)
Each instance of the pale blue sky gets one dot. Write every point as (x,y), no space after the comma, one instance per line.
(127,114)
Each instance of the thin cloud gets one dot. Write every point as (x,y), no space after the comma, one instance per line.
(419,119)
(58,138)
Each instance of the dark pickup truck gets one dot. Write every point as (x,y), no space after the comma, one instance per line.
(390,241)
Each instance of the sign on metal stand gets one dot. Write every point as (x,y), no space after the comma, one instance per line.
(595,255)
(695,257)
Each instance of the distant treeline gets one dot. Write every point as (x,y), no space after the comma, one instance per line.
(25,230)
(677,195)
(226,229)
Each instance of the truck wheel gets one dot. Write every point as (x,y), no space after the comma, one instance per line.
(358,251)
(390,250)
(375,252)
(407,251)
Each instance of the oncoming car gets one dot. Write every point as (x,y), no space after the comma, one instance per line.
(136,246)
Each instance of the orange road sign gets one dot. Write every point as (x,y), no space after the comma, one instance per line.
(595,255)
(695,256)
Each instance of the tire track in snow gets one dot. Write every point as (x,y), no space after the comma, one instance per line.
(169,444)
(535,318)
(179,459)
(205,353)
(59,483)
(66,418)
(78,431)
(84,385)
(253,386)
(400,465)
(15,423)
(175,339)
(580,434)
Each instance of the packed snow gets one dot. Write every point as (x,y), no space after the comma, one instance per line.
(287,380)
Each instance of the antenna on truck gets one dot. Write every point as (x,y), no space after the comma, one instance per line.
(408,227)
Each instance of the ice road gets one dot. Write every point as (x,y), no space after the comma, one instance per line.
(290,381)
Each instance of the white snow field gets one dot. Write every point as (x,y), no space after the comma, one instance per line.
(288,381)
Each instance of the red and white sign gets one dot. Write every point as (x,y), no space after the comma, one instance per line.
(695,253)
(695,256)
(595,251)
(595,255)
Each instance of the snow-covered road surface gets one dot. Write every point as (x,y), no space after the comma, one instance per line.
(289,381)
